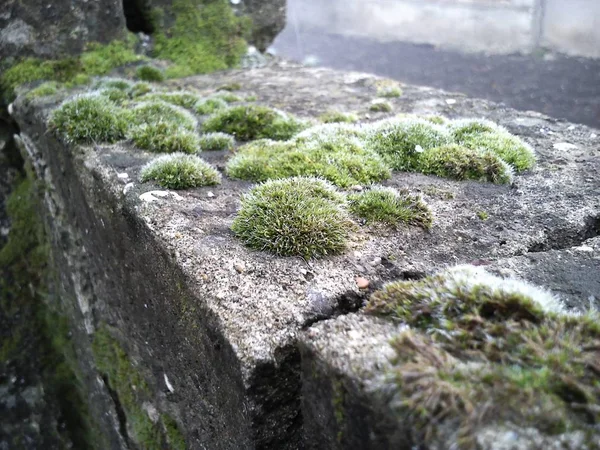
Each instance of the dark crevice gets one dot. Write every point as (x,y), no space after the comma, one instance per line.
(138,16)
(560,239)
(120,411)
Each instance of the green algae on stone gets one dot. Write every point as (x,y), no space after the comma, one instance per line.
(401,141)
(180,171)
(300,216)
(216,141)
(89,118)
(338,117)
(149,73)
(482,351)
(254,122)
(342,161)
(461,163)
(388,206)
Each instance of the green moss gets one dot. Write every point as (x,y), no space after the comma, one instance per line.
(44,90)
(180,171)
(228,97)
(254,122)
(381,106)
(140,89)
(184,99)
(337,402)
(209,106)
(216,141)
(230,87)
(338,117)
(461,163)
(401,141)
(483,134)
(293,217)
(164,137)
(483,215)
(120,84)
(117,96)
(388,206)
(101,59)
(149,73)
(89,118)
(175,438)
(158,111)
(251,98)
(206,36)
(389,91)
(483,351)
(342,161)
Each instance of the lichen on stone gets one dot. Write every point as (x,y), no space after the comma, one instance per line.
(180,171)
(388,206)
(480,351)
(299,216)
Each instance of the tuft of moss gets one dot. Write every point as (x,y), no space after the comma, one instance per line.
(388,206)
(140,89)
(180,171)
(483,351)
(89,118)
(483,215)
(164,137)
(381,106)
(251,98)
(43,90)
(298,216)
(230,87)
(461,163)
(149,73)
(342,161)
(205,37)
(209,106)
(184,99)
(228,97)
(400,141)
(483,134)
(113,83)
(216,141)
(338,117)
(254,122)
(117,96)
(155,111)
(389,91)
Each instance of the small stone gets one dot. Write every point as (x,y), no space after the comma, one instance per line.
(127,187)
(450,101)
(356,188)
(239,267)
(362,283)
(209,194)
(564,146)
(593,136)
(375,262)
(123,176)
(571,127)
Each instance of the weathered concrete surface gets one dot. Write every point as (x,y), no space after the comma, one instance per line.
(48,29)
(163,273)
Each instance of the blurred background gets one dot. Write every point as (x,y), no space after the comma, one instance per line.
(541,55)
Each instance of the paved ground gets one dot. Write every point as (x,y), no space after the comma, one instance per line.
(560,86)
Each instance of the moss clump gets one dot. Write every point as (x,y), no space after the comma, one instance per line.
(381,106)
(484,351)
(164,137)
(293,217)
(89,118)
(230,87)
(483,134)
(461,163)
(117,96)
(483,215)
(149,73)
(184,99)
(209,106)
(342,161)
(389,91)
(401,141)
(338,117)
(113,83)
(44,90)
(228,97)
(157,111)
(205,37)
(216,141)
(254,122)
(386,205)
(180,171)
(140,89)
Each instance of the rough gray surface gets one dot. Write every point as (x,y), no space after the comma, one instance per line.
(48,29)
(160,268)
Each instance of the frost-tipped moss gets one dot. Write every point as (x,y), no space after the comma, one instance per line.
(90,118)
(254,122)
(228,97)
(332,131)
(184,99)
(338,117)
(164,137)
(209,105)
(44,90)
(380,106)
(461,163)
(216,141)
(230,87)
(149,73)
(401,141)
(483,134)
(180,171)
(484,351)
(139,89)
(342,161)
(388,206)
(115,95)
(293,217)
(158,111)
